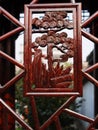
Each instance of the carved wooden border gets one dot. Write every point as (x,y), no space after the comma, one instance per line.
(77,89)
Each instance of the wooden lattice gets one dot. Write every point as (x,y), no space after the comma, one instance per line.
(44,73)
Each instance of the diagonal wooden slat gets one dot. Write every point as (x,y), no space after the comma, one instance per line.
(58,112)
(90,78)
(91,68)
(92,125)
(89,36)
(15,31)
(14,21)
(12,60)
(78,115)
(11,82)
(16,116)
(90,19)
(11,17)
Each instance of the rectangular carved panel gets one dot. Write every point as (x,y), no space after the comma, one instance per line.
(53,49)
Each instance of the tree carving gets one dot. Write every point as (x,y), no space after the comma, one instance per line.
(47,71)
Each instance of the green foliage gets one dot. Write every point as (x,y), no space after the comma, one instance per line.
(18,128)
(46,106)
(21,101)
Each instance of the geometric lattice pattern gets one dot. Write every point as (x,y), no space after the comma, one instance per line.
(93,67)
(95,40)
(65,107)
(19,28)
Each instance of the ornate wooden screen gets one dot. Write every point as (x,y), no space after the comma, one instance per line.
(46,74)
(49,50)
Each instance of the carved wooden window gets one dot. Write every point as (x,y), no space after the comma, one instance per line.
(53,49)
